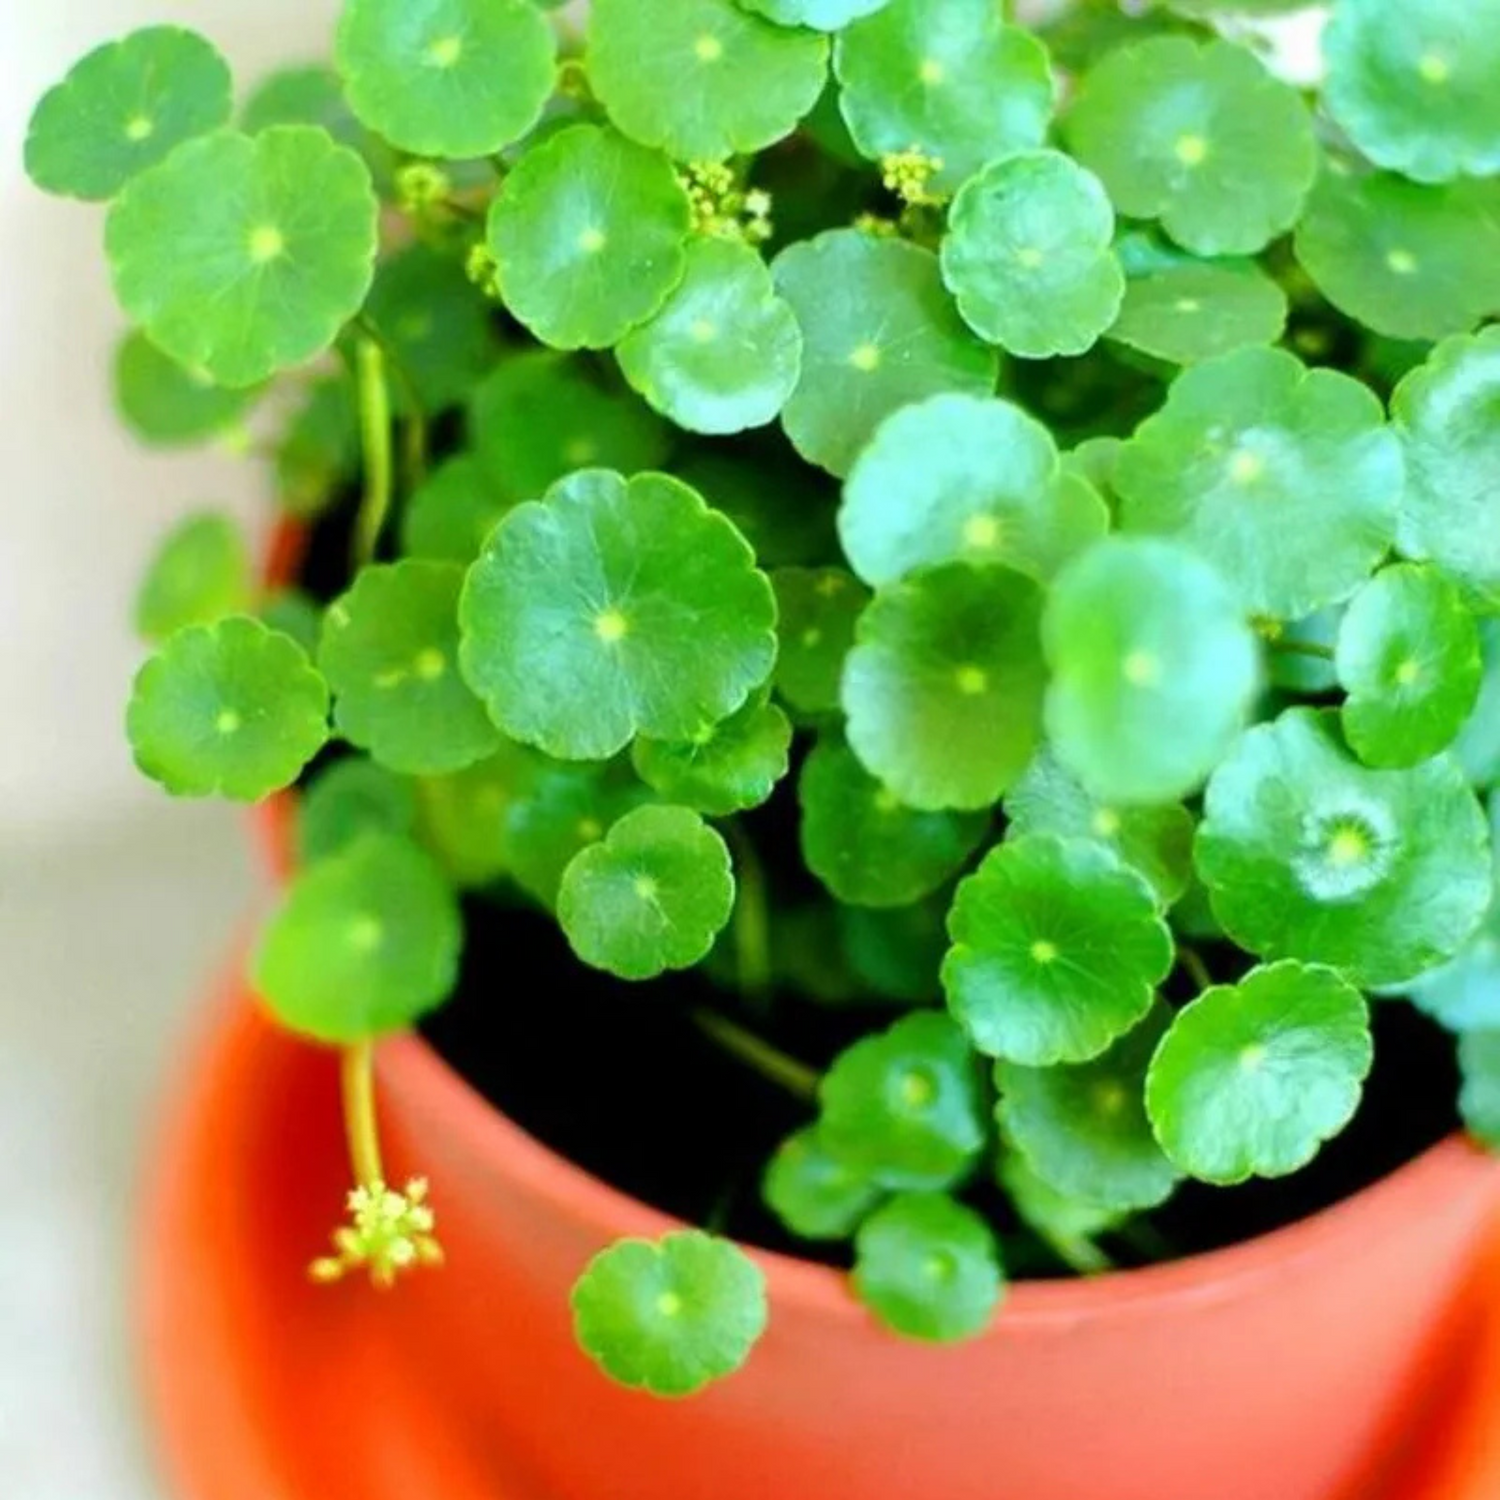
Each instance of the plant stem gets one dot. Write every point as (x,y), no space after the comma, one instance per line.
(414,449)
(752,921)
(1191,960)
(375,437)
(757,1053)
(357,1076)
(1079,1254)
(1303,648)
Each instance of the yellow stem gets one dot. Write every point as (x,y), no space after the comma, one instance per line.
(357,1072)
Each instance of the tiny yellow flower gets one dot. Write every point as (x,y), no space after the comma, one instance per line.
(390,1233)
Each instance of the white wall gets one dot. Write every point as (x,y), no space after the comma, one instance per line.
(80,504)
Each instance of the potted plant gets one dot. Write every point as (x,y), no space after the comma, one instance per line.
(883,641)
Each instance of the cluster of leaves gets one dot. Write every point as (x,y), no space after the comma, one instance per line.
(1070,458)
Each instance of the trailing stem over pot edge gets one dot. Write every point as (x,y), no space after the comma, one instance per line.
(882,395)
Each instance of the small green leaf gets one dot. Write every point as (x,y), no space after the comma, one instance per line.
(816,611)
(295,613)
(1067,1225)
(652,896)
(701,79)
(541,416)
(451,514)
(944,687)
(123,108)
(1157,841)
(1286,479)
(1445,416)
(348,800)
(1408,656)
(671,1316)
(904,1105)
(1201,137)
(1083,1129)
(1154,669)
(1028,255)
(725,352)
(1252,1078)
(201,572)
(390,654)
(465,817)
(929,1268)
(867,848)
(1188,313)
(230,709)
(726,767)
(613,609)
(1479,1101)
(1406,260)
(164,404)
(589,234)
(946,78)
(446,78)
(963,478)
(244,255)
(365,943)
(1307,854)
(1057,950)
(1413,86)
(879,332)
(813,1192)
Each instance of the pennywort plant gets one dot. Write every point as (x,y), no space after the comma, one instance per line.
(1061,466)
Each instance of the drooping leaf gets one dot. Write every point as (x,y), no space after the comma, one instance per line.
(162,403)
(1307,854)
(652,895)
(944,686)
(346,801)
(814,1193)
(448,518)
(365,943)
(816,611)
(1154,669)
(670,1316)
(201,572)
(1253,1078)
(245,255)
(1028,255)
(726,767)
(1057,950)
(1188,313)
(613,609)
(879,332)
(229,709)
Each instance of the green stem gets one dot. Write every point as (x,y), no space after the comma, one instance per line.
(414,417)
(757,1053)
(1079,1254)
(1303,648)
(357,1076)
(1146,1240)
(375,436)
(1191,960)
(752,920)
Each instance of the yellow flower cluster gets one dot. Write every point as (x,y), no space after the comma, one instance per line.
(723,206)
(421,186)
(391,1232)
(909,175)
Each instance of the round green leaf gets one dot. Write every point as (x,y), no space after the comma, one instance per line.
(245,255)
(928,1267)
(1307,854)
(867,848)
(1408,657)
(446,78)
(904,1105)
(672,1316)
(724,768)
(816,611)
(588,233)
(944,686)
(1406,260)
(348,800)
(651,896)
(1286,479)
(879,332)
(1201,137)
(165,404)
(540,416)
(1154,669)
(725,352)
(365,943)
(1479,1100)
(1028,255)
(230,709)
(813,1192)
(390,654)
(947,78)
(702,79)
(1157,841)
(201,572)
(964,477)
(1413,85)
(613,609)
(1083,1128)
(1187,313)
(1253,1077)
(1057,950)
(819,15)
(123,108)
(1445,413)
(452,512)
